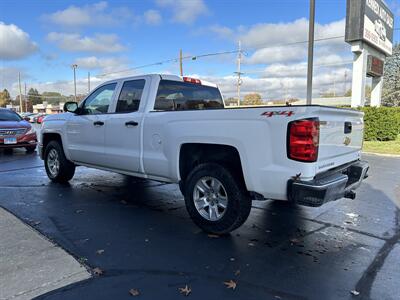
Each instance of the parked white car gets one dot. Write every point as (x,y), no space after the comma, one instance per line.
(177,130)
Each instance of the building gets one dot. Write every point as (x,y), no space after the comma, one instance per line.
(48,108)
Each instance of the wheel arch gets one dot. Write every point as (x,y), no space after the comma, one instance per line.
(193,154)
(47,137)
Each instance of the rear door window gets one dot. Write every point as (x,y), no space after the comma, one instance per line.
(129,98)
(175,95)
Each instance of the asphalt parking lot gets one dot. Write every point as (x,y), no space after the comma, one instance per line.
(139,234)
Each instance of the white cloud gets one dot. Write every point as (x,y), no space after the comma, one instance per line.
(97,14)
(9,76)
(15,43)
(269,43)
(77,43)
(223,32)
(277,54)
(185,11)
(152,17)
(105,64)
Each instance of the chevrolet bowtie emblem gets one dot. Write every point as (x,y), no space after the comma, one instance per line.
(347,141)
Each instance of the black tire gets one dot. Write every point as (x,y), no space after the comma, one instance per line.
(66,168)
(30,149)
(238,205)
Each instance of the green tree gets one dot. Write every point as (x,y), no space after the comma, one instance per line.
(391,79)
(5,98)
(252,99)
(34,96)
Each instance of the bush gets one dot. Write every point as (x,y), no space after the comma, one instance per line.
(381,123)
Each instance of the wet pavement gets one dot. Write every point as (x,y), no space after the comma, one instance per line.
(139,234)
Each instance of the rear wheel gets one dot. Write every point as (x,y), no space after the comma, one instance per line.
(216,198)
(58,168)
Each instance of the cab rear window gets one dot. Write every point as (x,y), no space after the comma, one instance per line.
(175,95)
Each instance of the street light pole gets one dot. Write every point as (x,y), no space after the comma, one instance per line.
(74,66)
(310,52)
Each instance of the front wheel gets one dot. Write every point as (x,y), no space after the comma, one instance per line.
(216,198)
(58,168)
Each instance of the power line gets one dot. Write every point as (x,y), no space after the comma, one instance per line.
(303,65)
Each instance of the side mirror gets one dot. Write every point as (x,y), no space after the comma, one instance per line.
(71,107)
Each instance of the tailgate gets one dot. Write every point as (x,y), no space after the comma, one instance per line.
(341,135)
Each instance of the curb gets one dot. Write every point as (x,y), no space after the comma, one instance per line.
(382,154)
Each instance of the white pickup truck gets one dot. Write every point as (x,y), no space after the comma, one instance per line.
(175,129)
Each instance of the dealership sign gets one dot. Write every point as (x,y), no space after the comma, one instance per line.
(370,21)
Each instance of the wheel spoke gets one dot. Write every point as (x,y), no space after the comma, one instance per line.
(210,198)
(215,185)
(222,202)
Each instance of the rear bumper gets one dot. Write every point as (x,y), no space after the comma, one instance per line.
(328,187)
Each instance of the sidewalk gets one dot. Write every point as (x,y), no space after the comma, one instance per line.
(30,265)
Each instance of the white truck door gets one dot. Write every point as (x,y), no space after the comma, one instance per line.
(86,131)
(123,130)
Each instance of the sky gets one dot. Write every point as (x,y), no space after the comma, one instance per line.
(42,39)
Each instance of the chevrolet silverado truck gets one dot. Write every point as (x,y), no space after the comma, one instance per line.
(177,129)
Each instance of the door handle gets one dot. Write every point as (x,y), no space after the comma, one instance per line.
(98,123)
(131,123)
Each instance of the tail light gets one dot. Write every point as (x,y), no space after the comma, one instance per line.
(191,80)
(303,140)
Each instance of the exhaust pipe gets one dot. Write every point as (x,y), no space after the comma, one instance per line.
(350,195)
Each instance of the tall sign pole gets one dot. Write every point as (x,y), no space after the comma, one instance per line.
(310,52)
(20,92)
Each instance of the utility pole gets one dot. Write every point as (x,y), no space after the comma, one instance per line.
(25,99)
(74,66)
(310,52)
(180,62)
(88,80)
(345,82)
(239,80)
(334,85)
(20,92)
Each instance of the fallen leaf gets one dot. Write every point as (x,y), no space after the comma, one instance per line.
(100,251)
(237,273)
(124,202)
(97,271)
(213,236)
(186,290)
(251,244)
(355,293)
(232,259)
(134,292)
(230,284)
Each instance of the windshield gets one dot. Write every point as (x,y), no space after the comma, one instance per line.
(8,115)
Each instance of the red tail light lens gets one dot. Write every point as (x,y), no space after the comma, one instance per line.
(191,80)
(303,140)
